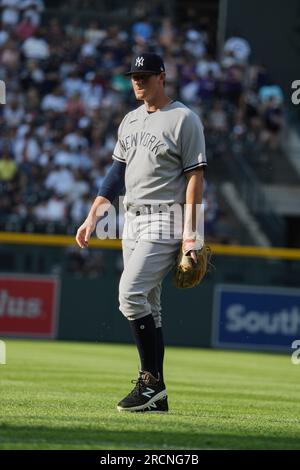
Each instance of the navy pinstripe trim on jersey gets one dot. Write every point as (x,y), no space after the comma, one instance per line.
(196,165)
(118,158)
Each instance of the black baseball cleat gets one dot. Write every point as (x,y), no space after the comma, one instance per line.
(147,390)
(159,406)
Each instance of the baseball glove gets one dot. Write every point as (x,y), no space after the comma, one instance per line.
(187,272)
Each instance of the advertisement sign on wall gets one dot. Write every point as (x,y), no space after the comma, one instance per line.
(255,317)
(28,305)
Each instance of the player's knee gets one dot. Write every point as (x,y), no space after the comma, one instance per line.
(133,305)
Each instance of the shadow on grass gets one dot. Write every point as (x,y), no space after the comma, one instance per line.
(44,437)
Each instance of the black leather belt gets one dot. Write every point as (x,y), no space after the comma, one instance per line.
(149,209)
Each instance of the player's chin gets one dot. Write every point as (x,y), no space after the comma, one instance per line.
(140,94)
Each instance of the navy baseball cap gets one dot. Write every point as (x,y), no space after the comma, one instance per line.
(147,63)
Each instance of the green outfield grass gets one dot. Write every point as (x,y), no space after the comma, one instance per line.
(57,395)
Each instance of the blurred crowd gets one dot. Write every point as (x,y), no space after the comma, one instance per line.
(66,95)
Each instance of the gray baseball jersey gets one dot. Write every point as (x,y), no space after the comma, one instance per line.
(157,149)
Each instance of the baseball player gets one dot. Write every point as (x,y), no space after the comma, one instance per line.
(160,157)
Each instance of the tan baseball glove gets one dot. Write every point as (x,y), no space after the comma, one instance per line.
(189,271)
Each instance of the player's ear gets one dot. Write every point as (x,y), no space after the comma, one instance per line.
(162,76)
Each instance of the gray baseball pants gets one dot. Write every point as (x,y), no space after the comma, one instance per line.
(148,256)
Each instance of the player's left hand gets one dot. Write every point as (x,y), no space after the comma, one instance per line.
(191,264)
(190,246)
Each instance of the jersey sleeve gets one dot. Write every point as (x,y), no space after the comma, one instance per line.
(114,182)
(118,153)
(192,143)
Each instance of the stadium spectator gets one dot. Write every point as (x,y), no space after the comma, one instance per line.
(273,122)
(66,95)
(217,118)
(142,31)
(13,112)
(167,34)
(10,57)
(8,167)
(26,28)
(33,9)
(236,50)
(10,12)
(195,43)
(36,47)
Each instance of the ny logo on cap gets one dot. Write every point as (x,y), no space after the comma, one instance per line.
(139,62)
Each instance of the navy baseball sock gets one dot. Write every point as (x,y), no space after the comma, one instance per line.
(144,334)
(160,351)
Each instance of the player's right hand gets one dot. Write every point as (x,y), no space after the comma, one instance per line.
(85,231)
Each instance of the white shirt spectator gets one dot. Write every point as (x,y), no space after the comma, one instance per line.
(239,47)
(3,37)
(26,149)
(33,10)
(110,142)
(11,3)
(83,161)
(22,130)
(79,210)
(72,159)
(55,209)
(84,122)
(11,11)
(60,180)
(38,75)
(54,103)
(218,120)
(204,67)
(72,85)
(44,159)
(64,158)
(13,117)
(79,189)
(75,141)
(40,211)
(36,48)
(98,177)
(189,91)
(95,35)
(88,49)
(195,44)
(38,4)
(92,95)
(44,133)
